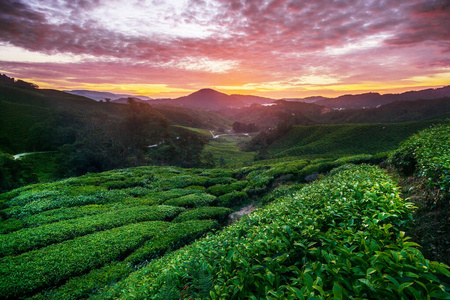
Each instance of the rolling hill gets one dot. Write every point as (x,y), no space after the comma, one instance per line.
(372,100)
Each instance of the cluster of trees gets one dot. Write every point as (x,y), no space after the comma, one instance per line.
(14,173)
(141,137)
(5,80)
(97,140)
(239,127)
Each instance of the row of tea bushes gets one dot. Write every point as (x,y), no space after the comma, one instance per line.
(33,238)
(427,155)
(175,236)
(203,213)
(170,238)
(32,271)
(336,238)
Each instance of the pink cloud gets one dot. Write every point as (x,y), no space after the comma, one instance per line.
(274,40)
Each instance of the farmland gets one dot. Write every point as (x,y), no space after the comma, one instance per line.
(325,228)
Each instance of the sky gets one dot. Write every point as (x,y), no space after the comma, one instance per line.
(272,48)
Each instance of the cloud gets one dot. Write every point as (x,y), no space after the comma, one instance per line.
(225,42)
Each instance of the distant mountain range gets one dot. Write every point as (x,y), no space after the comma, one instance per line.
(209,99)
(372,100)
(102,96)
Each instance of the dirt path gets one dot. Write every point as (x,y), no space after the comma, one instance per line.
(215,136)
(18,156)
(242,212)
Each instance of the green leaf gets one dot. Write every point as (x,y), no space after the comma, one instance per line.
(337,291)
(297,292)
(370,271)
(271,277)
(308,281)
(403,286)
(440,295)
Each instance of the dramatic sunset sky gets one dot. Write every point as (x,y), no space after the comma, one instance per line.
(274,48)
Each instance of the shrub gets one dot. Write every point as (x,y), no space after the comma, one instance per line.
(221,189)
(338,237)
(192,200)
(10,225)
(35,270)
(175,236)
(427,155)
(85,285)
(232,199)
(220,180)
(210,212)
(32,238)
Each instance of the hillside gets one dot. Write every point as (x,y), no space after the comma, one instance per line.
(88,136)
(209,99)
(372,100)
(103,96)
(334,140)
(299,113)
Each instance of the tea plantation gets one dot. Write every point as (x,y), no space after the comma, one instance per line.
(330,229)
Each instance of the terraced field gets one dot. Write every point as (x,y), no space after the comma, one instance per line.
(345,139)
(328,230)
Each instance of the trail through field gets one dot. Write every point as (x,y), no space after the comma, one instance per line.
(18,156)
(215,136)
(242,212)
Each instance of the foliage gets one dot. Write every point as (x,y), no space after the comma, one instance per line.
(221,189)
(14,173)
(338,237)
(85,285)
(427,155)
(171,238)
(33,238)
(192,200)
(334,141)
(210,212)
(232,199)
(62,261)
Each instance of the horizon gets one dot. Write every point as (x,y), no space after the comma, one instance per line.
(275,49)
(231,94)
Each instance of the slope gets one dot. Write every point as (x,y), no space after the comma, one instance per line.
(335,140)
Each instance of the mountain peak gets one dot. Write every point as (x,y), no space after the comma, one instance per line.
(208,92)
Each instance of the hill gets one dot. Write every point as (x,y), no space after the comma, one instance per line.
(299,113)
(372,100)
(91,136)
(103,96)
(334,140)
(209,99)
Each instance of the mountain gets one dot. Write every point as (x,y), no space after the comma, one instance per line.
(373,100)
(209,99)
(101,96)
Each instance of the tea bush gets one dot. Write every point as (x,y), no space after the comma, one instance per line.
(232,199)
(427,154)
(192,200)
(339,237)
(210,212)
(221,189)
(33,238)
(83,286)
(172,238)
(35,270)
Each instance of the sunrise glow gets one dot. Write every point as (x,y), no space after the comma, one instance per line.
(279,48)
